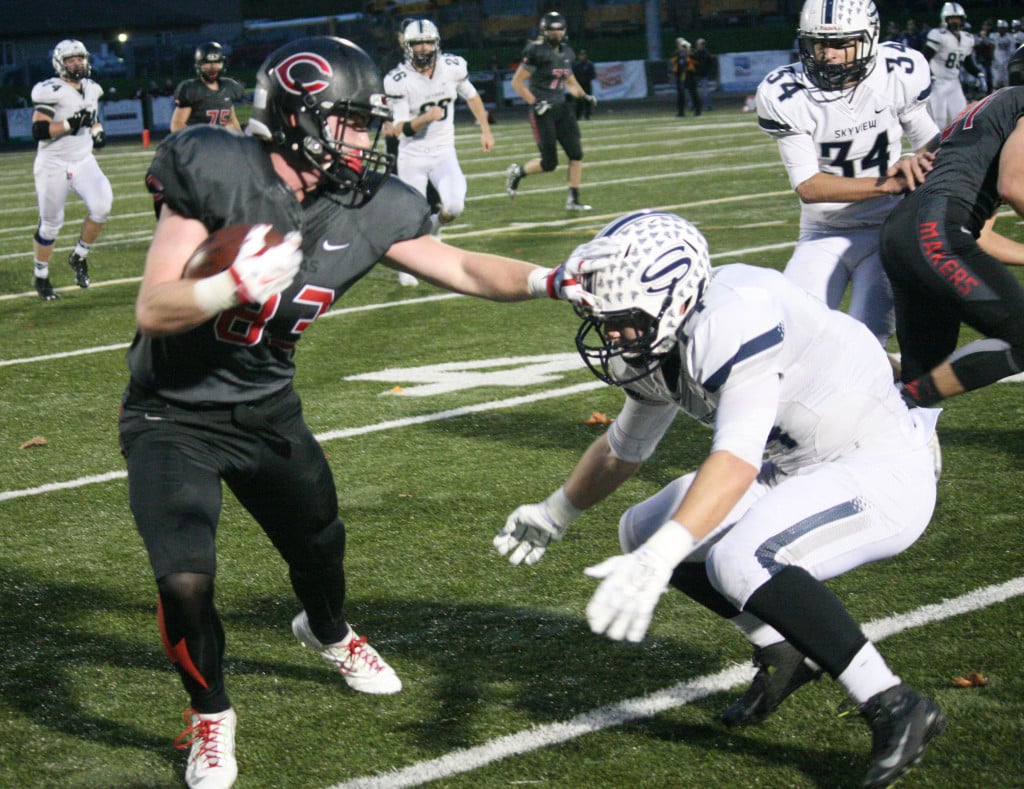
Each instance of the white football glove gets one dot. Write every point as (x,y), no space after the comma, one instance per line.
(631,587)
(540,107)
(531,527)
(260,272)
(562,282)
(591,99)
(527,533)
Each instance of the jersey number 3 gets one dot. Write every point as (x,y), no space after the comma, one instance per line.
(877,157)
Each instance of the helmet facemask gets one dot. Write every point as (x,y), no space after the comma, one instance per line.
(642,299)
(70,48)
(850,26)
(421,32)
(358,169)
(836,76)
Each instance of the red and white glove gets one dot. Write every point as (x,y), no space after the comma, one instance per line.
(261,271)
(257,273)
(562,282)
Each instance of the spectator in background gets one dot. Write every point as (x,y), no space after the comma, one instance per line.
(685,79)
(705,69)
(913,37)
(984,50)
(893,34)
(1002,47)
(211,97)
(585,72)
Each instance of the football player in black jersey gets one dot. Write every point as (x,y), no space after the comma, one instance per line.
(210,98)
(543,77)
(947,264)
(210,396)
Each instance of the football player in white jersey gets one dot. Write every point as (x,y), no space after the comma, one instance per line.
(948,48)
(65,121)
(1003,46)
(422,91)
(816,467)
(839,121)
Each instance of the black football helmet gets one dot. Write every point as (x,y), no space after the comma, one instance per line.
(299,86)
(550,22)
(1015,67)
(210,52)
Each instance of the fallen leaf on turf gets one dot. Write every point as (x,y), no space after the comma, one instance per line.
(397,389)
(35,441)
(597,418)
(974,680)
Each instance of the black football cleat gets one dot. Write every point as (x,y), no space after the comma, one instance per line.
(81,269)
(45,289)
(781,670)
(902,723)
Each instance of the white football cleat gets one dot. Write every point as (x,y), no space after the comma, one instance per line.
(359,663)
(211,760)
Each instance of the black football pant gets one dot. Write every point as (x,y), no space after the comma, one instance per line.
(267,456)
(941,279)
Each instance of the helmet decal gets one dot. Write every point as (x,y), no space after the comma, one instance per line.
(320,65)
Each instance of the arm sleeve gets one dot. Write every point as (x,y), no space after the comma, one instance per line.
(639,427)
(800,158)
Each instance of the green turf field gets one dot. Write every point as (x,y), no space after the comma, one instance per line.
(504,684)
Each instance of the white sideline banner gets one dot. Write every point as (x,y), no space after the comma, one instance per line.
(121,118)
(742,72)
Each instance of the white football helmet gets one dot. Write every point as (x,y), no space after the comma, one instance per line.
(69,48)
(420,31)
(835,24)
(644,296)
(952,10)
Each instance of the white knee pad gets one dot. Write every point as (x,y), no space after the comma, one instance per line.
(640,521)
(101,205)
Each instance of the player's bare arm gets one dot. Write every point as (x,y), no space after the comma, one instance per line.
(472,273)
(179,118)
(476,106)
(519,84)
(597,475)
(166,303)
(1011,170)
(999,246)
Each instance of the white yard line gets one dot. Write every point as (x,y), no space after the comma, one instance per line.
(536,737)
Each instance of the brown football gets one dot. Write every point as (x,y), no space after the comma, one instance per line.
(219,250)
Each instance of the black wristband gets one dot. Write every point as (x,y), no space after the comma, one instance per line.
(40,130)
(407,129)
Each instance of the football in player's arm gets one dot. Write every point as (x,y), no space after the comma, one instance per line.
(210,398)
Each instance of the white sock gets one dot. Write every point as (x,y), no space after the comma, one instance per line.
(41,269)
(82,249)
(867,675)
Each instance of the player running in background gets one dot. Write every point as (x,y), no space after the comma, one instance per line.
(948,49)
(422,91)
(209,98)
(65,121)
(541,80)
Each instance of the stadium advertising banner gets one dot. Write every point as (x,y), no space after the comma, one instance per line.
(121,118)
(742,72)
(19,124)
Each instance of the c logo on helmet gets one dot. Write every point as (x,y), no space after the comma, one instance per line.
(320,66)
(668,268)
